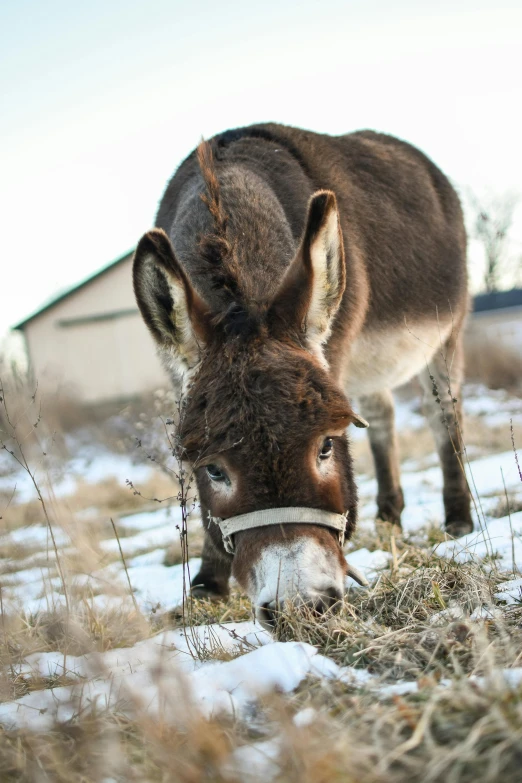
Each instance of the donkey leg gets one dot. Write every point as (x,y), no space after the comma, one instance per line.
(442,382)
(379,409)
(211,581)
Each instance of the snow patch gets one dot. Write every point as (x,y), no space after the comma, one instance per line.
(151,675)
(368,563)
(494,540)
(510,592)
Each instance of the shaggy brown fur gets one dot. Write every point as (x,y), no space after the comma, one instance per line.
(306,263)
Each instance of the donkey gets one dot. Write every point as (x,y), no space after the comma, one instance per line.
(289,273)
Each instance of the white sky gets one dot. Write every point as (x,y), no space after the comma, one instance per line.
(100,101)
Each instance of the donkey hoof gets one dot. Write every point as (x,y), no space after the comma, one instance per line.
(458,528)
(203,593)
(208,590)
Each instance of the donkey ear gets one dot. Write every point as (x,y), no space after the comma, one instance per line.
(312,288)
(359,421)
(172,309)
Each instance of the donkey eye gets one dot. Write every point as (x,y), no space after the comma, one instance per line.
(215,473)
(327,449)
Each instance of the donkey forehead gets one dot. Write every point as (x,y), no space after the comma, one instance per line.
(264,395)
(263,372)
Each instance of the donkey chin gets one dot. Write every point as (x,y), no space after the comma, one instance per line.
(303,568)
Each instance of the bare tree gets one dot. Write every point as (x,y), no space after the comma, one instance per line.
(493,217)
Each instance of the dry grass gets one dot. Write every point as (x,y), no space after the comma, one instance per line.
(414,624)
(83,630)
(492,363)
(506,506)
(206,612)
(102,748)
(461,732)
(111,499)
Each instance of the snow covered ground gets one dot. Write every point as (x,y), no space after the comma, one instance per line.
(90,467)
(250,663)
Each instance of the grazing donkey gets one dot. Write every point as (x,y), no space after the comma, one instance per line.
(289,273)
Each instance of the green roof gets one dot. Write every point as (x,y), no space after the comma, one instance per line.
(72,290)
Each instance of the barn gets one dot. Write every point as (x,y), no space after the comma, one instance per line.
(91,343)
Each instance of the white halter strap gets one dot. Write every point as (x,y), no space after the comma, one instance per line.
(279,516)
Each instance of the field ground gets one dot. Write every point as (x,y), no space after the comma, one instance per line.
(108,674)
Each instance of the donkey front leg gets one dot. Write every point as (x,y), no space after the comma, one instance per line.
(379,409)
(442,382)
(211,581)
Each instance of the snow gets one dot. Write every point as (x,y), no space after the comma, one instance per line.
(146,520)
(455,613)
(280,667)
(254,762)
(485,613)
(305,717)
(181,644)
(369,563)
(26,576)
(36,588)
(493,540)
(423,490)
(154,585)
(407,417)
(154,557)
(355,678)
(261,760)
(151,675)
(502,678)
(398,689)
(89,468)
(157,585)
(142,677)
(495,404)
(449,615)
(155,537)
(486,474)
(510,592)
(35,536)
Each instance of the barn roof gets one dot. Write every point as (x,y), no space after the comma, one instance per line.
(497,300)
(73,289)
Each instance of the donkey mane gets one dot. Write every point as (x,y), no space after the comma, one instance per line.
(217,250)
(207,166)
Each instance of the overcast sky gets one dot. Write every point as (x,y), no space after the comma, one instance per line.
(102,100)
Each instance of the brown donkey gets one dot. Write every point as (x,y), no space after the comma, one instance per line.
(291,272)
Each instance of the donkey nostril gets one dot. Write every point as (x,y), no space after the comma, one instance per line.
(330,598)
(334,595)
(267,614)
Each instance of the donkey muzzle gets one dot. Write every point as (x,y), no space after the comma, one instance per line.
(306,568)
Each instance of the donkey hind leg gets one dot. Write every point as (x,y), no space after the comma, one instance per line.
(379,409)
(442,382)
(211,581)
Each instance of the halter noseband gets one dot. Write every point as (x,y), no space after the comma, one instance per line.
(279,516)
(286,516)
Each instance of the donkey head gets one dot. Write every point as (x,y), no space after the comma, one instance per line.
(264,421)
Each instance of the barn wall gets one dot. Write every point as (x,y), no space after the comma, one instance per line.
(96,360)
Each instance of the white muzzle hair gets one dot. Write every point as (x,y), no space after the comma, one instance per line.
(285,516)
